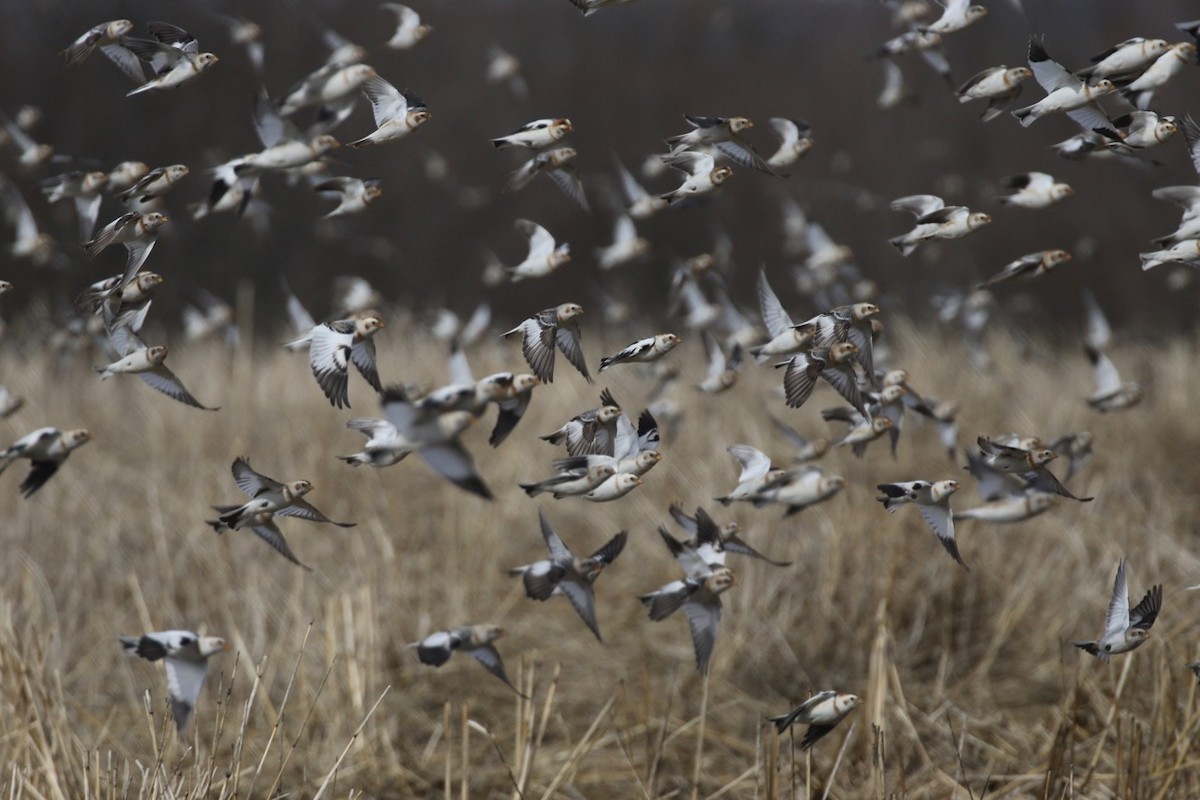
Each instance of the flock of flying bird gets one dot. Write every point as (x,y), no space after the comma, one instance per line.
(607,454)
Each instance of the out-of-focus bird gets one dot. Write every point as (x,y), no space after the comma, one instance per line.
(795,140)
(1029,266)
(409,28)
(106,33)
(556,164)
(713,542)
(786,336)
(998,85)
(627,246)
(544,256)
(1014,508)
(354,195)
(956,15)
(476,641)
(822,712)
(1125,628)
(46,449)
(722,372)
(703,176)
(698,594)
(565,574)
(85,189)
(640,204)
(185,656)
(536,135)
(1111,394)
(1035,190)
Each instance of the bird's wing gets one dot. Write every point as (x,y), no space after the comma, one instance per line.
(251,482)
(452,461)
(703,620)
(1117,618)
(387,103)
(942,523)
(553,542)
(184,679)
(163,380)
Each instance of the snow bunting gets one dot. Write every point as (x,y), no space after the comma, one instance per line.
(284,500)
(545,330)
(536,135)
(576,476)
(1028,266)
(1141,91)
(935,220)
(998,85)
(786,336)
(106,33)
(264,527)
(565,574)
(1014,508)
(1030,465)
(956,15)
(409,28)
(1064,91)
(173,55)
(640,204)
(333,346)
(9,403)
(806,449)
(1125,58)
(795,140)
(544,256)
(722,370)
(85,189)
(397,113)
(1183,252)
(138,232)
(331,84)
(555,163)
(703,176)
(593,431)
(185,656)
(698,594)
(474,640)
(822,712)
(1125,628)
(1112,394)
(154,184)
(46,449)
(147,363)
(713,541)
(626,248)
(834,365)
(1035,190)
(723,133)
(412,427)
(933,501)
(798,489)
(652,348)
(354,195)
(757,473)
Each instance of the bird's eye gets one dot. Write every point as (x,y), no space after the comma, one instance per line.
(185,641)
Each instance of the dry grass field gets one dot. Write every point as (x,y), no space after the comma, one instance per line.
(970,686)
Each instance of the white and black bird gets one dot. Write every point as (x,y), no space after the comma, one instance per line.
(822,712)
(46,449)
(565,574)
(933,501)
(185,656)
(476,641)
(1125,628)
(333,346)
(549,329)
